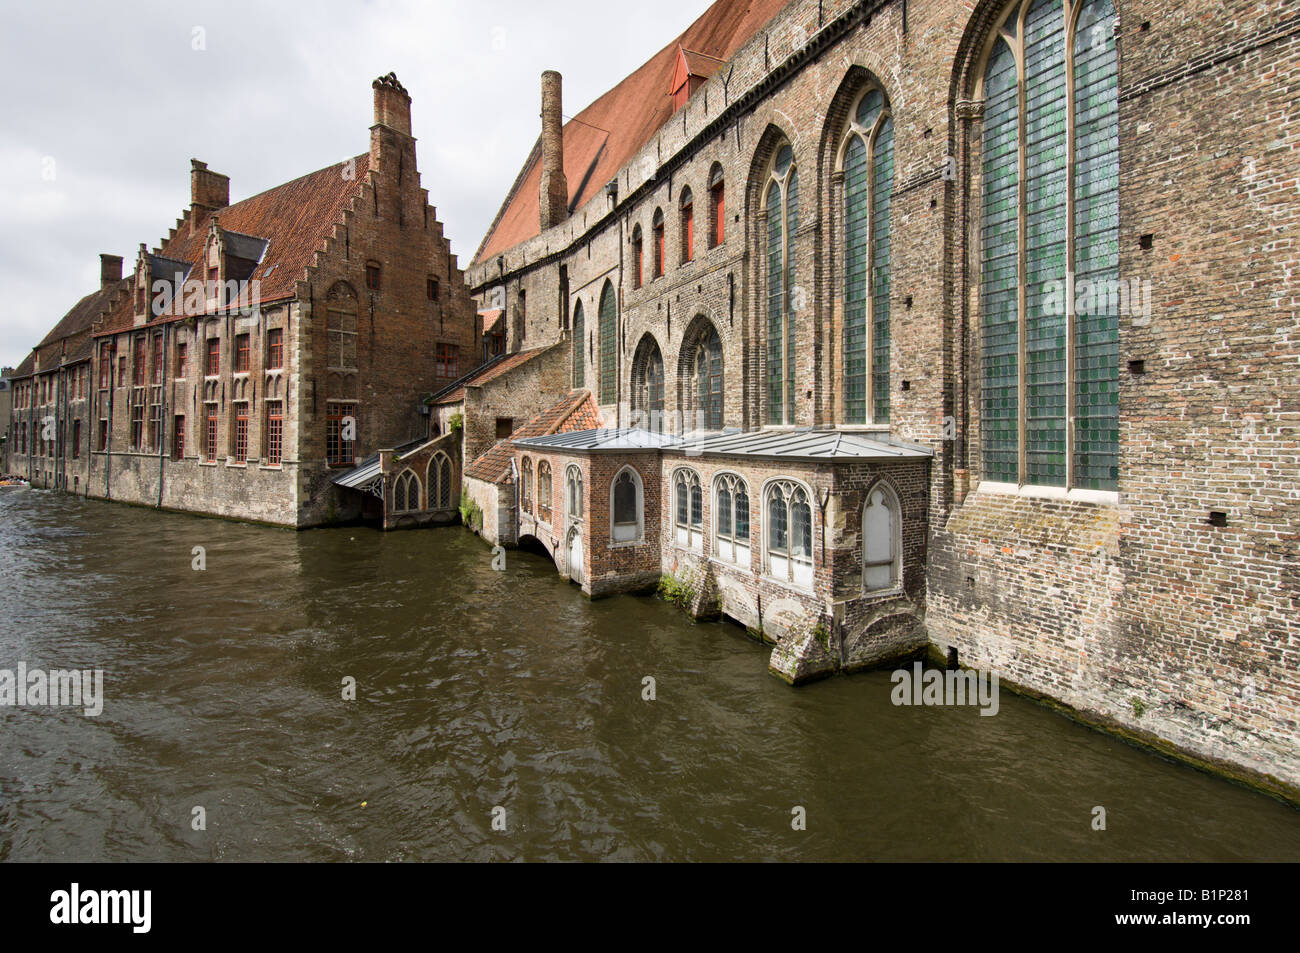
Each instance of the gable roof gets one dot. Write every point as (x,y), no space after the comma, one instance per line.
(69,340)
(602,138)
(287,224)
(454,392)
(577,411)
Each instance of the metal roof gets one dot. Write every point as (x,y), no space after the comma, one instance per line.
(368,469)
(606,438)
(803,444)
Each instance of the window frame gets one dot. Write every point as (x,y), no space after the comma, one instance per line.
(783,183)
(688,497)
(727,547)
(638,537)
(790,486)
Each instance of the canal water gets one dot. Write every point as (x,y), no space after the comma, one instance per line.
(479,689)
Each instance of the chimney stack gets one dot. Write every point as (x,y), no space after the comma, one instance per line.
(392,104)
(209,191)
(110,270)
(555,188)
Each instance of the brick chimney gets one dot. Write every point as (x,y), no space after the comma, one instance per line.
(209,191)
(110,270)
(392,104)
(554,199)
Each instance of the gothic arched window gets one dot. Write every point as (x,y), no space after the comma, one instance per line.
(1050,294)
(789,533)
(782,205)
(868,186)
(731,518)
(579,346)
(688,509)
(608,345)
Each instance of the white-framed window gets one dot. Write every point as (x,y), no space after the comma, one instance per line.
(882,540)
(626,507)
(544,491)
(688,509)
(526,485)
(787,532)
(573,492)
(731,518)
(406,492)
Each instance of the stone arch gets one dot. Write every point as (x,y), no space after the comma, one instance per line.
(647,383)
(701,388)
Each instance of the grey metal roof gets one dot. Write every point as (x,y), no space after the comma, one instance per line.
(248,247)
(166,269)
(606,438)
(803,444)
(368,469)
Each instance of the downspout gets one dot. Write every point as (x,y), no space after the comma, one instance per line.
(162,418)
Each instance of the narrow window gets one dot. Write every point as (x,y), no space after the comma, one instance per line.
(178,437)
(573,496)
(789,533)
(689,504)
(210,435)
(137,362)
(274,441)
(181,360)
(372,276)
(241,353)
(239,440)
(340,434)
(526,485)
(544,491)
(579,347)
(76,439)
(717,207)
(868,190)
(688,226)
(658,239)
(782,222)
(213,366)
(137,425)
(638,257)
(731,519)
(431,289)
(626,508)
(608,345)
(274,348)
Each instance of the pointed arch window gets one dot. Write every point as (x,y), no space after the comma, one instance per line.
(638,257)
(406,493)
(1049,285)
(717,206)
(608,345)
(438,482)
(544,491)
(882,560)
(789,533)
(626,507)
(579,346)
(868,188)
(688,509)
(526,485)
(782,212)
(648,384)
(687,205)
(573,492)
(707,380)
(731,519)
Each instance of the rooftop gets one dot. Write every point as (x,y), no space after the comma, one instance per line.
(802,444)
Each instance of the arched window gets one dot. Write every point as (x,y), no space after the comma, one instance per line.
(544,491)
(406,492)
(700,373)
(687,206)
(626,507)
(638,257)
(608,345)
(868,186)
(658,230)
(782,208)
(579,346)
(1050,174)
(573,492)
(688,509)
(717,207)
(526,485)
(731,519)
(648,383)
(438,482)
(882,558)
(789,533)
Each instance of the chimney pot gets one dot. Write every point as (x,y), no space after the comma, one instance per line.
(554,198)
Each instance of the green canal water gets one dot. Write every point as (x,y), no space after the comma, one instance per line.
(479,689)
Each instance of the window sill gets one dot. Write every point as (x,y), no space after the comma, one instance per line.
(786,584)
(627,544)
(1076,494)
(271,466)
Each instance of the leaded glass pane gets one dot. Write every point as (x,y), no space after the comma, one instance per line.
(724,511)
(697,505)
(579,347)
(608,345)
(881,193)
(624,499)
(855,282)
(800,526)
(776,516)
(775,309)
(1096,249)
(742,515)
(792,281)
(1000,268)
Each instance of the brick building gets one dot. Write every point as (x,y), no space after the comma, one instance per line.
(263,347)
(1041,240)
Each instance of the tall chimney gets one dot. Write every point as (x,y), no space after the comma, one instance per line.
(110,270)
(392,104)
(209,192)
(554,199)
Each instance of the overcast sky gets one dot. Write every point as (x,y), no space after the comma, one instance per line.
(106,103)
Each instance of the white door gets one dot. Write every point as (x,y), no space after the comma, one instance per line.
(575,555)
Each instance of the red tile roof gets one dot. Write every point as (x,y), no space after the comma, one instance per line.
(576,411)
(294,219)
(631,112)
(491,319)
(488,372)
(69,340)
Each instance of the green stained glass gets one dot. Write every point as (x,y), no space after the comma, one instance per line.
(881,193)
(1096,249)
(792,282)
(1000,266)
(775,307)
(608,345)
(579,347)
(855,282)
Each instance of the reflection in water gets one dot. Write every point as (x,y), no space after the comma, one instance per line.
(478,688)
